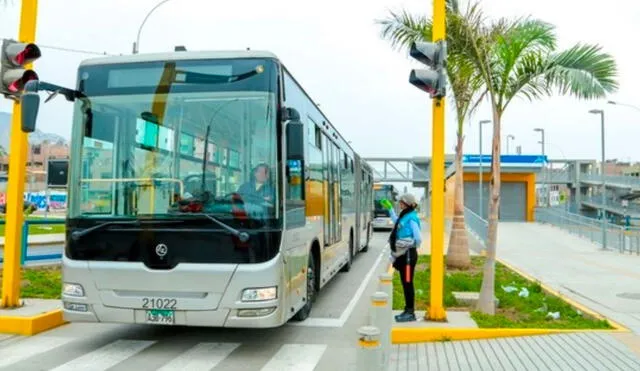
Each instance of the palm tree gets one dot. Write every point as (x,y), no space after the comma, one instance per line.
(402,30)
(518,58)
(3,152)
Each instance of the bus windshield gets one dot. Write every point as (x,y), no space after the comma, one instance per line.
(163,139)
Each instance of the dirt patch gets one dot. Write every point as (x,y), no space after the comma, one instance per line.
(511,314)
(422,267)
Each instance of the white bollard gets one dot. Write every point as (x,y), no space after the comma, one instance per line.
(385,284)
(380,317)
(369,356)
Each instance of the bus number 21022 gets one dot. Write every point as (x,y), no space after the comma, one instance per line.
(159,303)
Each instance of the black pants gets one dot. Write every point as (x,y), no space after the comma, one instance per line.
(401,265)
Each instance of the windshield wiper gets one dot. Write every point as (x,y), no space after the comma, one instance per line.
(76,235)
(243,236)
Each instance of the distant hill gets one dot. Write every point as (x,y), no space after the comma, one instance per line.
(36,137)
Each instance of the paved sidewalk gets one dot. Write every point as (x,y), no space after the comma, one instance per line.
(42,239)
(580,351)
(474,245)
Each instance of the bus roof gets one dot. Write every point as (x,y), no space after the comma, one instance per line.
(177,56)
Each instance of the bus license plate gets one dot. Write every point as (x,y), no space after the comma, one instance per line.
(161,317)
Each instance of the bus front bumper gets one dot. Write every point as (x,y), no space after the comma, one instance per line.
(125,293)
(382,223)
(265,316)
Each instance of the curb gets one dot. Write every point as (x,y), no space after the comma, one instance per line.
(31,325)
(400,335)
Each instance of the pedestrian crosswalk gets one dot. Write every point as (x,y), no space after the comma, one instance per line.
(61,354)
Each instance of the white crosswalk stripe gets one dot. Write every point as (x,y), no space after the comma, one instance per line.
(201,357)
(123,353)
(29,347)
(298,357)
(107,356)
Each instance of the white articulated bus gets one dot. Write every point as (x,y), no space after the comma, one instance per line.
(205,189)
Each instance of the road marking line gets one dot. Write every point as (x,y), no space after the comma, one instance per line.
(339,322)
(203,356)
(352,304)
(107,356)
(296,357)
(30,347)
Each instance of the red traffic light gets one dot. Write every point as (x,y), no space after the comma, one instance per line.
(14,76)
(19,84)
(30,53)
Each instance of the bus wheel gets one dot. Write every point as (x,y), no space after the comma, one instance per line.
(366,247)
(304,312)
(347,267)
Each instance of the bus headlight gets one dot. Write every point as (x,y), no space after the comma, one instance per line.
(261,294)
(72,289)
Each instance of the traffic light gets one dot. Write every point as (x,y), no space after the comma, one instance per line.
(13,56)
(433,80)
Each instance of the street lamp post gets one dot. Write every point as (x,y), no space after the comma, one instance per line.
(624,104)
(547,182)
(136,44)
(604,198)
(509,137)
(480,174)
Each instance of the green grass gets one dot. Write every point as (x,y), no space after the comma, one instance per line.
(40,283)
(39,228)
(513,311)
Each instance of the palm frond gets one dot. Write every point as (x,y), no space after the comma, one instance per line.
(402,29)
(583,71)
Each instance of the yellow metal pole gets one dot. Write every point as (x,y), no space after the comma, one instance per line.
(436,307)
(17,170)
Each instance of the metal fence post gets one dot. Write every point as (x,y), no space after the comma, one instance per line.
(25,243)
(369,357)
(380,317)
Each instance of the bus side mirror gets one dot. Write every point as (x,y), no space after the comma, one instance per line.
(295,136)
(29,105)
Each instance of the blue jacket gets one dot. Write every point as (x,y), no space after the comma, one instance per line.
(409,226)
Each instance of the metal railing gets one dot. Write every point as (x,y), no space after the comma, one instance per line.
(618,237)
(612,203)
(24,257)
(476,225)
(625,180)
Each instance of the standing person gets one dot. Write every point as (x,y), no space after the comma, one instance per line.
(404,241)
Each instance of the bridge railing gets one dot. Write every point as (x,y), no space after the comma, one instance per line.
(476,225)
(613,203)
(612,179)
(618,237)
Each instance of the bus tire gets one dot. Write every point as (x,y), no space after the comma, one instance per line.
(347,267)
(305,311)
(366,246)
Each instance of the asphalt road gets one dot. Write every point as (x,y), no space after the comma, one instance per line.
(325,341)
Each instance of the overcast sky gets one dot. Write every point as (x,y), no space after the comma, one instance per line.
(333,48)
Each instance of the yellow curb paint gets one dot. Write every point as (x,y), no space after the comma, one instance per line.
(368,343)
(569,301)
(400,335)
(31,325)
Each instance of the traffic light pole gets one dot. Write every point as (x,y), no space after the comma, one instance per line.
(17,171)
(436,302)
